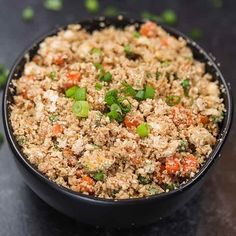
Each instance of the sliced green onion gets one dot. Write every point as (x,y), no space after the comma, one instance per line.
(80,94)
(98,66)
(3,75)
(169,17)
(149,16)
(114,115)
(124,104)
(98,86)
(196,33)
(1,138)
(165,63)
(111,11)
(137,34)
(140,95)
(129,53)
(217,119)
(96,51)
(183,145)
(106,77)
(128,89)
(28,14)
(169,187)
(158,74)
(186,86)
(53,5)
(91,5)
(217,3)
(149,92)
(99,176)
(115,107)
(111,97)
(71,91)
(172,100)
(143,130)
(144,180)
(81,108)
(52,75)
(53,118)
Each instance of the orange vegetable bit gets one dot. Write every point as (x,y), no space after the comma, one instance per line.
(85,184)
(190,164)
(73,76)
(149,29)
(59,60)
(164,41)
(132,122)
(57,130)
(172,165)
(203,119)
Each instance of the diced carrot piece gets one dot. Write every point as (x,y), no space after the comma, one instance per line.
(57,130)
(204,119)
(59,60)
(149,29)
(86,184)
(132,122)
(74,76)
(172,165)
(190,164)
(164,41)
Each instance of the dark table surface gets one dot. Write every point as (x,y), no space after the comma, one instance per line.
(211,212)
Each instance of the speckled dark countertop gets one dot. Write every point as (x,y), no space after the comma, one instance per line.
(211,212)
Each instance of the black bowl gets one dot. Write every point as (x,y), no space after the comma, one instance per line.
(97,211)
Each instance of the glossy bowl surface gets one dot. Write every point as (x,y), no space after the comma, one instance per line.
(105,212)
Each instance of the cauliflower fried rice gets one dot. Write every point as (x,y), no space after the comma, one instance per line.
(116,113)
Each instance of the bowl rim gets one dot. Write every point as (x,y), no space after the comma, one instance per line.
(127,21)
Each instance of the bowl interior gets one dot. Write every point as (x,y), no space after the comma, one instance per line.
(119,22)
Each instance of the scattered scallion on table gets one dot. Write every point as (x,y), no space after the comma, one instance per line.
(169,17)
(217,3)
(111,11)
(3,75)
(196,33)
(28,14)
(146,15)
(92,5)
(53,5)
(1,138)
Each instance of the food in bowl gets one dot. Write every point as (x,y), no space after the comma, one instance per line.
(116,113)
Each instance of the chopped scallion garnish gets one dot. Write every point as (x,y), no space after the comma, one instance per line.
(80,94)
(172,100)
(98,86)
(111,11)
(186,86)
(52,75)
(71,92)
(99,176)
(169,17)
(28,14)
(91,5)
(53,5)
(1,138)
(149,92)
(81,108)
(196,33)
(143,130)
